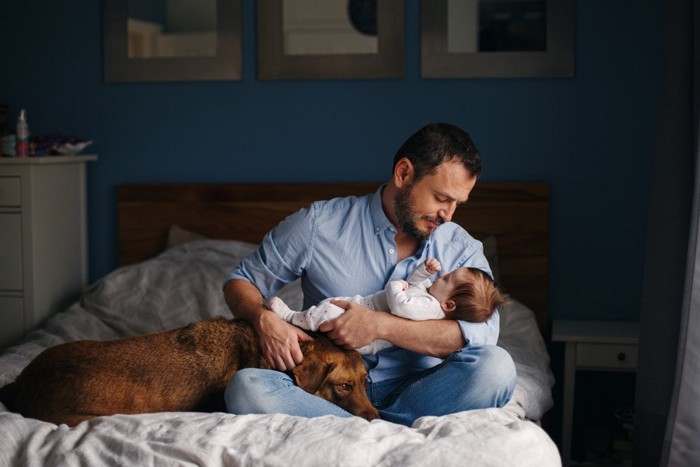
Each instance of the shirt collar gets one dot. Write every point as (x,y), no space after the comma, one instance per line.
(379,219)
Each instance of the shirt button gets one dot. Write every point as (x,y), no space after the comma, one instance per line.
(391,250)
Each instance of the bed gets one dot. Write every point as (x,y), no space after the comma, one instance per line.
(177,241)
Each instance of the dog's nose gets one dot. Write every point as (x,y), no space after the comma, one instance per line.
(370,414)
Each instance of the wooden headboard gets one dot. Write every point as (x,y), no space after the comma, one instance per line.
(515,212)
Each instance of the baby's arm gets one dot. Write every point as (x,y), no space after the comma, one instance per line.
(413,306)
(423,272)
(432,266)
(309,319)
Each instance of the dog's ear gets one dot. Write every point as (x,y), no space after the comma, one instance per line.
(312,372)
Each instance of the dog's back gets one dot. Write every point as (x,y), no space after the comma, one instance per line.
(183,369)
(178,370)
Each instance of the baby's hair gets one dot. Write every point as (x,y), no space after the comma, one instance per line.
(476,297)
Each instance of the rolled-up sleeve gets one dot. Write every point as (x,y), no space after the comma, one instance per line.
(282,255)
(485,333)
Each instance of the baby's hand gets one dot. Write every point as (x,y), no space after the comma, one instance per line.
(432,265)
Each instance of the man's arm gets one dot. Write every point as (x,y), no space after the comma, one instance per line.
(279,341)
(359,326)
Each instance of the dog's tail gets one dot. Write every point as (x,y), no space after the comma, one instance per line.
(8,395)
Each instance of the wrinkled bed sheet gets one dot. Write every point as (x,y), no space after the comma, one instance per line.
(183,285)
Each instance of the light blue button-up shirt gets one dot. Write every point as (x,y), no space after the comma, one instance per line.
(345,247)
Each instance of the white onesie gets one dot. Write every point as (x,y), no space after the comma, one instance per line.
(413,303)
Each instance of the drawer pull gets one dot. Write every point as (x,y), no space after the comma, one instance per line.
(621,356)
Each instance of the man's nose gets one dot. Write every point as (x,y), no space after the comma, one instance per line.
(447,212)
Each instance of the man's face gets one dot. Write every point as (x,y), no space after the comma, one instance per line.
(423,206)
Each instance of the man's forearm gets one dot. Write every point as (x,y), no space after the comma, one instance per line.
(438,338)
(244,300)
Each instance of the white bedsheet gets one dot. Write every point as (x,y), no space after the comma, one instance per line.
(183,285)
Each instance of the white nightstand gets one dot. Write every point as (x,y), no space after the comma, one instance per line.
(592,345)
(43,239)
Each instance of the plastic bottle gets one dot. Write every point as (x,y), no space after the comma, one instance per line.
(22,134)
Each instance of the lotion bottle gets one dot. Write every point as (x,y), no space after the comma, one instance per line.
(22,134)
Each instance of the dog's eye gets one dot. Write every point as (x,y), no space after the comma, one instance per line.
(345,387)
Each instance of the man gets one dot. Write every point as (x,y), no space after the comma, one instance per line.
(355,245)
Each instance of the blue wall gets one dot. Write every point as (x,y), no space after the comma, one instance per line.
(590,136)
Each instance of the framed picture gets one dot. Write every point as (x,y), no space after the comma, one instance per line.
(497,38)
(171,41)
(330,39)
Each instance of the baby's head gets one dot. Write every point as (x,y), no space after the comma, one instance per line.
(468,294)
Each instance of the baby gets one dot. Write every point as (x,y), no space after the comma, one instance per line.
(466,294)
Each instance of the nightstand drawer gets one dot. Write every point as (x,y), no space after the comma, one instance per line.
(10,191)
(607,356)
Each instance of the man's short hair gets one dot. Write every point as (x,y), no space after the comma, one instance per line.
(437,143)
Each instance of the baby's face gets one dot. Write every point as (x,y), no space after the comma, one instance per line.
(444,285)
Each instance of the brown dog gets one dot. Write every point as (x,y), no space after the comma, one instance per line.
(183,369)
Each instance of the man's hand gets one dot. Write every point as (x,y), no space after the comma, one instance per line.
(360,326)
(356,327)
(279,341)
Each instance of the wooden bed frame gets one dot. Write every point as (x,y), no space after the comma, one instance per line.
(516,213)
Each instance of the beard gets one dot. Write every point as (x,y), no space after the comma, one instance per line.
(406,216)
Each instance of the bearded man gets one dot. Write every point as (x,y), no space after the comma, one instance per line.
(355,245)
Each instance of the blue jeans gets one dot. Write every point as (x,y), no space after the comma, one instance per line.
(472,378)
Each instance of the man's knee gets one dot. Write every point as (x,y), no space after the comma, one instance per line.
(491,370)
(236,389)
(249,390)
(488,358)
(504,374)
(499,362)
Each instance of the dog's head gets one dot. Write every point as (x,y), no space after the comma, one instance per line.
(337,375)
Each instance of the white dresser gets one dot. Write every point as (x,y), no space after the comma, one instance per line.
(43,239)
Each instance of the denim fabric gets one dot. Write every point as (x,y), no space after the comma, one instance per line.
(256,391)
(475,377)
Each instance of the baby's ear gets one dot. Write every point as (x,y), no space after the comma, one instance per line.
(448,305)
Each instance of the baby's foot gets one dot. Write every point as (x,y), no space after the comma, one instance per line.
(280,308)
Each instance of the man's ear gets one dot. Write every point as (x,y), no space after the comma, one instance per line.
(448,305)
(311,373)
(403,172)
